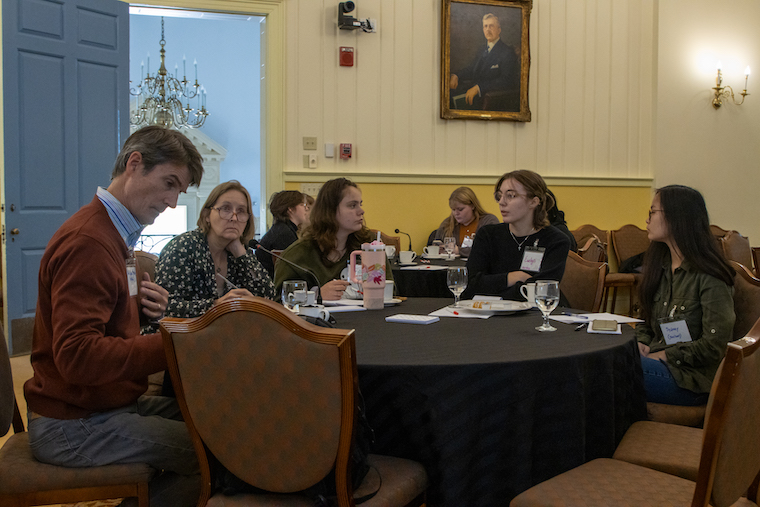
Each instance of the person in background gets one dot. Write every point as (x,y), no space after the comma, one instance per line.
(524,248)
(309,200)
(290,212)
(211,264)
(557,219)
(686,299)
(466,219)
(91,366)
(335,230)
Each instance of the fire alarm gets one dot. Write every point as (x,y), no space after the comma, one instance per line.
(346,56)
(345,151)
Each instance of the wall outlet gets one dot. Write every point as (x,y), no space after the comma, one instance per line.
(312,161)
(309,143)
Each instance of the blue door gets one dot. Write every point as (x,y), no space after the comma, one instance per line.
(66,96)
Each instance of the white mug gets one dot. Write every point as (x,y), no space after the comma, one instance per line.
(388,294)
(528,291)
(432,250)
(390,251)
(317,311)
(406,256)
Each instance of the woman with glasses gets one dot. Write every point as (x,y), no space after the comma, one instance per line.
(290,212)
(211,263)
(466,218)
(686,300)
(524,248)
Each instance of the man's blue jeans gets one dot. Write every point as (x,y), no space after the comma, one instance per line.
(661,387)
(149,431)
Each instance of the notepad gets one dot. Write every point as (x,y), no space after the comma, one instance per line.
(412,319)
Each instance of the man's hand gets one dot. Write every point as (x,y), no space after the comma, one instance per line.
(333,290)
(471,94)
(453,81)
(153,298)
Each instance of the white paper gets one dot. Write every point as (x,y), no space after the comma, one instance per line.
(580,318)
(463,313)
(423,267)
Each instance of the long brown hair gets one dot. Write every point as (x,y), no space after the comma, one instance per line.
(282,202)
(323,223)
(466,196)
(219,190)
(535,186)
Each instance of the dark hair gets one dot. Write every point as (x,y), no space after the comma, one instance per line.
(219,190)
(282,202)
(685,214)
(323,223)
(535,186)
(160,145)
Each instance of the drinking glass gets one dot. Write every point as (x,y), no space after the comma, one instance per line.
(288,292)
(456,279)
(449,244)
(547,299)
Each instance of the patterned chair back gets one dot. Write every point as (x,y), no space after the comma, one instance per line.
(271,396)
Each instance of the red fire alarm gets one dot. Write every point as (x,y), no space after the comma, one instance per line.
(345,151)
(346,56)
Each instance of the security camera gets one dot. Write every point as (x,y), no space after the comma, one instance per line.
(347,22)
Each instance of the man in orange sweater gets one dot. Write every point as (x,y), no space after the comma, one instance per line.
(86,403)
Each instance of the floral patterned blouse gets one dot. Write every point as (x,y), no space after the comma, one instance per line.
(186,270)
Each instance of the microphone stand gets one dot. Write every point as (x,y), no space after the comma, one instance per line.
(408,236)
(255,245)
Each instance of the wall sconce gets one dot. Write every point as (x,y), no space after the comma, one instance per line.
(722,92)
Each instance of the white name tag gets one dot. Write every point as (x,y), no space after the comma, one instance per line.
(467,242)
(675,332)
(531,260)
(132,280)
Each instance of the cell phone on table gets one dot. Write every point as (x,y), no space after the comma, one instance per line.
(604,325)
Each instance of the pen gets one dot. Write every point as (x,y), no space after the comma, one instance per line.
(581,326)
(576,315)
(227,281)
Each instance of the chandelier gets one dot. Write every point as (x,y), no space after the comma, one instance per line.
(159,97)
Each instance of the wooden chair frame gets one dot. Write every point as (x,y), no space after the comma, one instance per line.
(65,494)
(601,267)
(342,339)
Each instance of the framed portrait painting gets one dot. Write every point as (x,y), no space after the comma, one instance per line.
(485,59)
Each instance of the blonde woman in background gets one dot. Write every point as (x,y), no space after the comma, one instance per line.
(466,218)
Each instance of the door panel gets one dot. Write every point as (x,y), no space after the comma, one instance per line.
(66,96)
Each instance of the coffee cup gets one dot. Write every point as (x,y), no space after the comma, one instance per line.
(388,294)
(317,311)
(432,250)
(390,251)
(308,297)
(406,256)
(528,291)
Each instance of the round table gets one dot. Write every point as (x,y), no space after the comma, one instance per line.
(492,407)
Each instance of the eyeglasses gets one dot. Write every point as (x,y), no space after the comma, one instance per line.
(226,213)
(509,195)
(652,212)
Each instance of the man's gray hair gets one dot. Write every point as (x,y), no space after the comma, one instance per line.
(489,16)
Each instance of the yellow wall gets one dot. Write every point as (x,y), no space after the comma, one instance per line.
(419,208)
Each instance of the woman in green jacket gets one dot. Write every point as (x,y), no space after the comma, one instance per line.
(686,300)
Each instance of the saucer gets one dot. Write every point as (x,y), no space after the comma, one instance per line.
(407,263)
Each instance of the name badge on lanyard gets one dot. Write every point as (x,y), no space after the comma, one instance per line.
(132,273)
(674,331)
(532,258)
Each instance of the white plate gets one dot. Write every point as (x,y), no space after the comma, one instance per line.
(407,263)
(439,256)
(494,306)
(359,302)
(392,302)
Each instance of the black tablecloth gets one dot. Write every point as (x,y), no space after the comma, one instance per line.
(424,284)
(492,407)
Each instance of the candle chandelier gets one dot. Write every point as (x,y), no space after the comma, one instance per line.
(159,97)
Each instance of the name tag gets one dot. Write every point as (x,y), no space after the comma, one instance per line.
(675,332)
(132,280)
(467,242)
(532,258)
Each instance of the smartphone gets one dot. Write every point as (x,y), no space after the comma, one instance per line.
(604,325)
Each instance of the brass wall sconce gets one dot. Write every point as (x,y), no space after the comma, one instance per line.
(722,92)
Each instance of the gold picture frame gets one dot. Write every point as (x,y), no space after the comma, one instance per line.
(485,59)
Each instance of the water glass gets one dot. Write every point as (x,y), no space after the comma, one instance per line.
(289,288)
(456,279)
(449,244)
(547,299)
